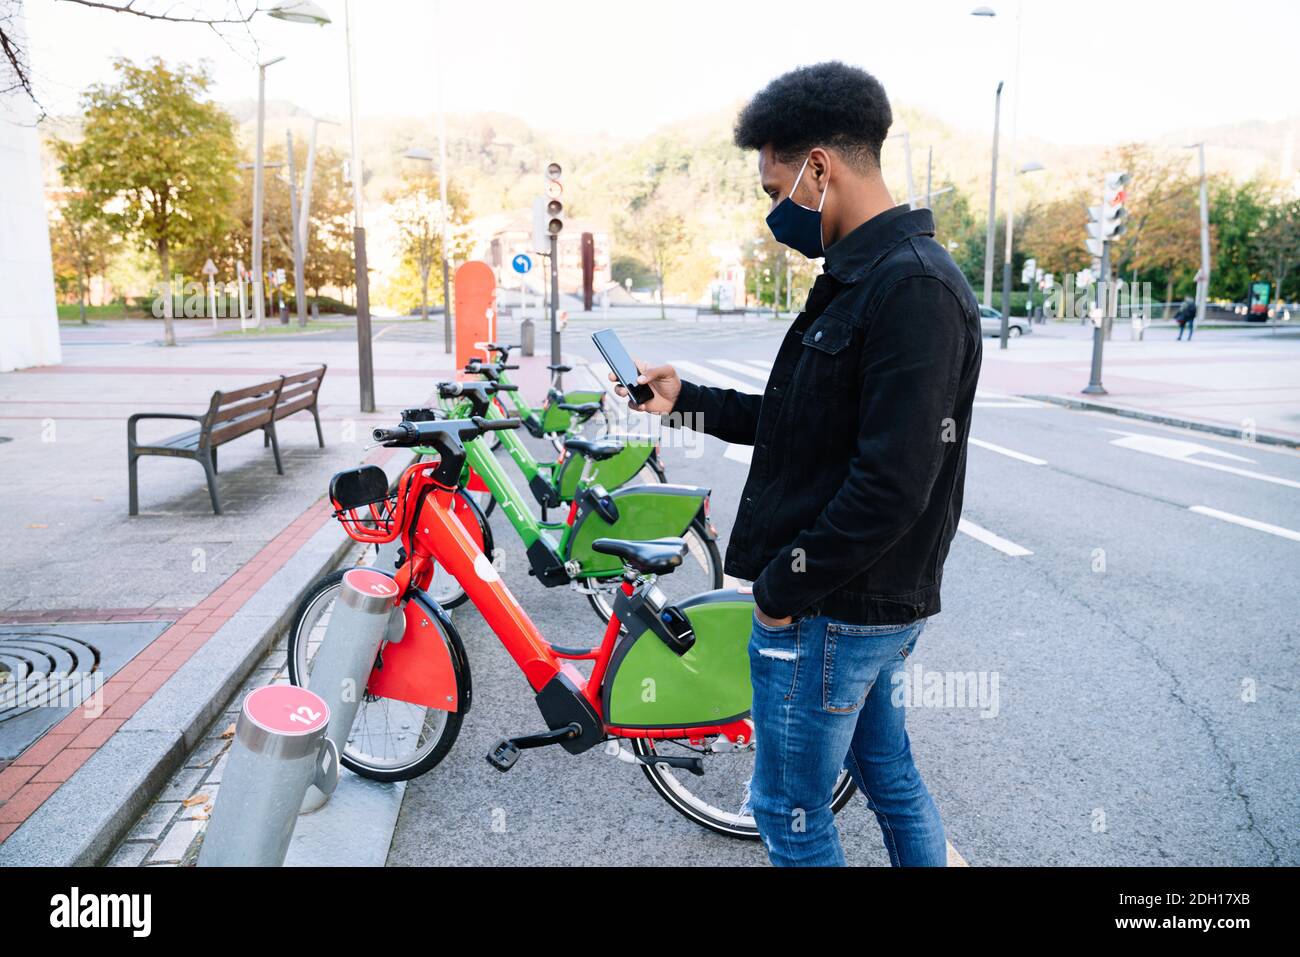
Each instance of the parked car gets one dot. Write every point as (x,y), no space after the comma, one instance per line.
(991,323)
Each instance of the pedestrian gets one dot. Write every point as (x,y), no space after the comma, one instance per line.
(859,459)
(1186,318)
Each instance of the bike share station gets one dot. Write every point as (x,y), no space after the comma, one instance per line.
(379,676)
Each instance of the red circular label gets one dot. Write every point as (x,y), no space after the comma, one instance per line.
(286,709)
(370,582)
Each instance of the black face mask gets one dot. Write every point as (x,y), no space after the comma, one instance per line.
(797,226)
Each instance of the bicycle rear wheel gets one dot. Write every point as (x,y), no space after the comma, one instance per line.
(715,799)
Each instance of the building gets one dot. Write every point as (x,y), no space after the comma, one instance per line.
(29,320)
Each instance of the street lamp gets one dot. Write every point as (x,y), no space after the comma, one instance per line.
(299,11)
(1031,167)
(259,309)
(989,13)
(1203,275)
(304,11)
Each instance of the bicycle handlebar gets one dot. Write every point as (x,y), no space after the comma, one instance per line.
(438,431)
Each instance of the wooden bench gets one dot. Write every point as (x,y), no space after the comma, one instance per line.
(299,394)
(229,415)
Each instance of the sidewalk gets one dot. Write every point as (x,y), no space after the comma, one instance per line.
(1228,381)
(171,609)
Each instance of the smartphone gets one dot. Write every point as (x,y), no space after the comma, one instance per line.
(621,364)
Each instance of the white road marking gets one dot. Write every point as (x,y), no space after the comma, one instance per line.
(981,534)
(1180,450)
(997,400)
(741,368)
(709,376)
(1277,530)
(761,363)
(1009,453)
(739,453)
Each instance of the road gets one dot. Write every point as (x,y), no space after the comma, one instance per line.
(1128,590)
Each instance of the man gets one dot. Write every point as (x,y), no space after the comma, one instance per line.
(1186,318)
(855,485)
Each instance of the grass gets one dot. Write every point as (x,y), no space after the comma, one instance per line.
(274,328)
(72,312)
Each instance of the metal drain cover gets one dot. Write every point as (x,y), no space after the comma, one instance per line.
(47,670)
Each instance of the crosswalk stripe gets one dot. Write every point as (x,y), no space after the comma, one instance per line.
(712,377)
(741,368)
(981,534)
(761,363)
(1009,453)
(739,453)
(1258,526)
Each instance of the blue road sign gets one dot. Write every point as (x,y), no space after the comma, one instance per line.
(522,263)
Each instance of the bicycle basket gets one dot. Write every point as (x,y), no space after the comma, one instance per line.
(364,506)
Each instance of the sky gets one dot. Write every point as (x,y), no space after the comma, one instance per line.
(627,67)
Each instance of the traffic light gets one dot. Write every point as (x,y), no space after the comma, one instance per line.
(548,210)
(1107,221)
(554,201)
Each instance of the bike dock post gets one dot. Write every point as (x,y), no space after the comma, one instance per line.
(280,749)
(358,623)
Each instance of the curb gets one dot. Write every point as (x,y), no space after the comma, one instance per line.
(1261,438)
(82,822)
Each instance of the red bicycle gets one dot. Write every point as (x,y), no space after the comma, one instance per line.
(667,687)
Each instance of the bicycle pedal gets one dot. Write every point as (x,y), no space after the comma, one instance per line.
(503,755)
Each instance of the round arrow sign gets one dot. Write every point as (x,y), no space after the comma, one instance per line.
(522,263)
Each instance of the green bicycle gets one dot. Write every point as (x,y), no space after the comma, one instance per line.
(563,414)
(561,553)
(555,483)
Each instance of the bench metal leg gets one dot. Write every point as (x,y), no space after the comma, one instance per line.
(210,470)
(132,461)
(269,433)
(320,436)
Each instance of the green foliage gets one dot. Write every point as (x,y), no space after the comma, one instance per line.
(156,159)
(622,268)
(418,215)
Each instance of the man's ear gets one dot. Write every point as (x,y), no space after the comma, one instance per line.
(819,165)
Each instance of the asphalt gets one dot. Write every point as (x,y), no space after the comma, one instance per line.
(1145,656)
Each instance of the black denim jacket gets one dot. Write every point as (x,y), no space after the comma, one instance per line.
(855,486)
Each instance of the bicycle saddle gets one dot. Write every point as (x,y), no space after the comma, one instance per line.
(560,368)
(597,449)
(658,556)
(581,408)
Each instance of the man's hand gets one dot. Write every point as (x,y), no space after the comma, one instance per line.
(662,380)
(771,622)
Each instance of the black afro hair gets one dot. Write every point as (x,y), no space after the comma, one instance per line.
(826,104)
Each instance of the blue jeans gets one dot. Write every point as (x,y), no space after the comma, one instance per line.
(824,701)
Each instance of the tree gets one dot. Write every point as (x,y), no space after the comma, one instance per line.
(656,232)
(1277,243)
(159,160)
(1054,234)
(328,257)
(1237,212)
(1162,229)
(81,241)
(418,215)
(957,229)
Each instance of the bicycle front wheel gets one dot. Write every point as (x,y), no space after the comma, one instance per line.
(390,740)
